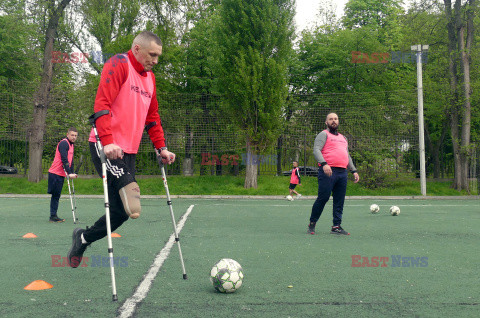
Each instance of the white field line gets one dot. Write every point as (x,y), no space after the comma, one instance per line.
(128,307)
(355,205)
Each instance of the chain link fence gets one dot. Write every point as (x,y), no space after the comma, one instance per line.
(381,128)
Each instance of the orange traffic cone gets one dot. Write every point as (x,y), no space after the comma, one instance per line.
(38,285)
(116,235)
(29,235)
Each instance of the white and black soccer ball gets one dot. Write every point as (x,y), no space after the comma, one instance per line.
(226,275)
(289,198)
(374,208)
(394,210)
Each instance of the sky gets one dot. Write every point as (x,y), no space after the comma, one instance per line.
(308,9)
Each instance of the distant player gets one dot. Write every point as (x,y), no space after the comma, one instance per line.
(62,162)
(331,152)
(295,180)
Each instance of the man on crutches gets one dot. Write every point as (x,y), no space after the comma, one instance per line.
(62,166)
(126,102)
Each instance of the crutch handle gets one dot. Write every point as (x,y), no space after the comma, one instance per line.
(159,158)
(92,119)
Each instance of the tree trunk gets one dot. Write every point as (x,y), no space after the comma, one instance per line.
(279,155)
(251,167)
(188,161)
(436,153)
(41,101)
(453,19)
(465,49)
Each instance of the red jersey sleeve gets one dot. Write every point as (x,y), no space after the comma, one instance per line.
(114,74)
(156,132)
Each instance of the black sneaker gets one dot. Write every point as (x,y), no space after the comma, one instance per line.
(338,230)
(56,219)
(311,228)
(78,248)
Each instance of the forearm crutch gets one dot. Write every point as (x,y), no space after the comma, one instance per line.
(73,202)
(103,159)
(169,203)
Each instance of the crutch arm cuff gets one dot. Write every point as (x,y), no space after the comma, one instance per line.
(92,119)
(150,125)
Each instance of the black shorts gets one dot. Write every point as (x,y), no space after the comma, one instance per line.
(292,186)
(120,172)
(55,184)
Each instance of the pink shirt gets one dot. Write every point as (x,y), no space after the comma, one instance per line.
(335,150)
(57,165)
(129,110)
(294,177)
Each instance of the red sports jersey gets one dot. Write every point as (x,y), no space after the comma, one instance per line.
(294,177)
(129,93)
(57,165)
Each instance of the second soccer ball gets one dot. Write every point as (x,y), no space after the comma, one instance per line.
(394,210)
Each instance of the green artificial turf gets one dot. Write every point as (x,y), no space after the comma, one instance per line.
(268,238)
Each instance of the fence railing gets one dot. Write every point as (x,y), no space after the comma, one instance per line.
(381,128)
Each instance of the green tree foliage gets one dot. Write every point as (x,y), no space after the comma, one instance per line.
(374,14)
(323,64)
(17,47)
(255,38)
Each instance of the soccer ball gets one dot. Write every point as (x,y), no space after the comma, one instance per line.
(289,198)
(374,208)
(226,275)
(394,210)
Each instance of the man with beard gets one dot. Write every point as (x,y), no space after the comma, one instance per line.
(331,152)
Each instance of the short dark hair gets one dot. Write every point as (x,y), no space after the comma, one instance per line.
(72,129)
(145,37)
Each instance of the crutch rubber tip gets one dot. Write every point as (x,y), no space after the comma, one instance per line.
(114,298)
(184,276)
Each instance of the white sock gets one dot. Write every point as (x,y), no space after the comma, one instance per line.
(84,241)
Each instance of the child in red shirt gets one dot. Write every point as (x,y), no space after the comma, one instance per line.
(295,179)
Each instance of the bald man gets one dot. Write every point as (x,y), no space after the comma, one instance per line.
(125,105)
(331,152)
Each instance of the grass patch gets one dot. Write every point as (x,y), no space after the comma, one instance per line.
(230,185)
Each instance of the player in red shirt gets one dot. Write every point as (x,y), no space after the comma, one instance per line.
(127,103)
(63,162)
(295,179)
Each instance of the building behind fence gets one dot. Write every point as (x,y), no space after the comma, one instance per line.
(381,128)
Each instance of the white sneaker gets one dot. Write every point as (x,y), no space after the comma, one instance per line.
(299,195)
